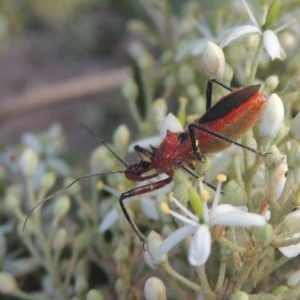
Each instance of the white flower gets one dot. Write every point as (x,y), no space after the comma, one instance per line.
(223,214)
(292,250)
(270,39)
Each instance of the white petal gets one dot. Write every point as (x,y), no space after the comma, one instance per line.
(272,45)
(236,33)
(252,18)
(200,247)
(110,218)
(290,251)
(175,238)
(228,215)
(170,122)
(145,143)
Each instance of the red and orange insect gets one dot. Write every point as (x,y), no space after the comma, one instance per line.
(217,129)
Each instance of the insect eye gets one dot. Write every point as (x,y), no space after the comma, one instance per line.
(144,164)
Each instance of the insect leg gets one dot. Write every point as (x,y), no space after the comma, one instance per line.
(209,90)
(139,191)
(194,142)
(192,131)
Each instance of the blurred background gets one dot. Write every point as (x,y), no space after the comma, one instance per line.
(63,61)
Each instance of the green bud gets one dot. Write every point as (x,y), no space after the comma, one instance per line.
(272,14)
(273,158)
(154,289)
(101,160)
(28,162)
(81,241)
(263,235)
(12,199)
(81,285)
(154,241)
(239,296)
(281,290)
(234,194)
(121,138)
(48,180)
(158,111)
(8,284)
(271,83)
(60,239)
(94,295)
(62,207)
(293,158)
(130,89)
(121,286)
(196,202)
(122,253)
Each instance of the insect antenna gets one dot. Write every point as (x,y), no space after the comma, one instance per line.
(105,144)
(66,188)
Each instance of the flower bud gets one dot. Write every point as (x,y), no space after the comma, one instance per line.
(121,286)
(263,235)
(48,180)
(28,162)
(154,289)
(60,239)
(8,284)
(121,254)
(239,296)
(81,285)
(94,295)
(295,127)
(121,138)
(12,199)
(271,117)
(158,111)
(271,83)
(130,89)
(280,290)
(151,256)
(213,60)
(234,194)
(100,160)
(61,207)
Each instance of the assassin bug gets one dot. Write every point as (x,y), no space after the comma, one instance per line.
(217,129)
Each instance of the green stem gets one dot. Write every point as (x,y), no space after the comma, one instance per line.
(207,291)
(191,285)
(255,62)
